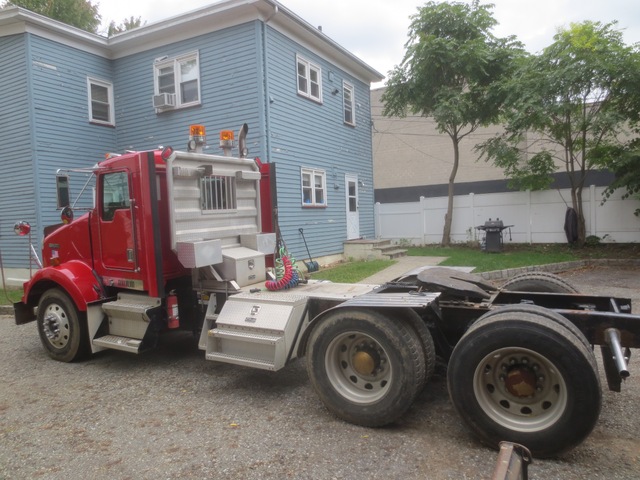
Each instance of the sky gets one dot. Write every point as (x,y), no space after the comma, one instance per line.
(376,30)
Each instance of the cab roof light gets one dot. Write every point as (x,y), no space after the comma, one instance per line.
(197,132)
(226,140)
(166,153)
(226,135)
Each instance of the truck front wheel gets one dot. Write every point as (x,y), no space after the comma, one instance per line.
(524,378)
(63,332)
(365,367)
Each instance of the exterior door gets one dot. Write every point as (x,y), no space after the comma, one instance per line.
(353,216)
(117,236)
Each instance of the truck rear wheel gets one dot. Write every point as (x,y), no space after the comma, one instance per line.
(544,312)
(539,282)
(63,332)
(365,367)
(524,378)
(411,318)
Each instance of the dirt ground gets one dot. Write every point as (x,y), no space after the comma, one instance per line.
(172,414)
(623,282)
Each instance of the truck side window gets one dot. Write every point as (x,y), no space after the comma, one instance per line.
(115,194)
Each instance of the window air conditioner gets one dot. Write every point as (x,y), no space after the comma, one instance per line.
(164,100)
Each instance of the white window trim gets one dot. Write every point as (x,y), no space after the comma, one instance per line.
(347,86)
(308,67)
(109,87)
(175,61)
(313,172)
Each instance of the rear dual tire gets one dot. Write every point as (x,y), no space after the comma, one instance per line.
(523,377)
(539,282)
(367,368)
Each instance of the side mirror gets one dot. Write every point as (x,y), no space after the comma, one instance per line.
(62,190)
(66,216)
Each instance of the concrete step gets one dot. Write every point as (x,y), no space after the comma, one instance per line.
(393,253)
(368,249)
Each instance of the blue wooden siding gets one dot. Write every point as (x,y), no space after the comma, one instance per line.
(247,74)
(230,91)
(17,188)
(64,137)
(304,133)
(45,127)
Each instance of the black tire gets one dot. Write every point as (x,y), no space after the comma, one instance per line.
(539,282)
(62,329)
(364,366)
(547,313)
(524,378)
(411,318)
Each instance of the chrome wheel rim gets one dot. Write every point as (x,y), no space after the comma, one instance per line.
(55,325)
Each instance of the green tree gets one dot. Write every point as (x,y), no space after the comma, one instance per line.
(451,62)
(565,111)
(624,161)
(625,164)
(78,13)
(127,24)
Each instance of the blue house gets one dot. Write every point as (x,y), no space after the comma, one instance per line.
(67,97)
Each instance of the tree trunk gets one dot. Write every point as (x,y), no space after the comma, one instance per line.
(576,201)
(448,218)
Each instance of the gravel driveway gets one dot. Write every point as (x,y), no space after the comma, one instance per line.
(172,414)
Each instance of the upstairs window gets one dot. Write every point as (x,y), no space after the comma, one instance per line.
(100,95)
(348,99)
(309,79)
(177,81)
(314,187)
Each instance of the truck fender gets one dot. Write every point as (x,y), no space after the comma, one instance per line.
(75,278)
(308,328)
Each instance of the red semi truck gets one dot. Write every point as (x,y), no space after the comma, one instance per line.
(175,240)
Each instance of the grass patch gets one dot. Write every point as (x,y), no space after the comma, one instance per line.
(14,294)
(513,256)
(522,255)
(352,272)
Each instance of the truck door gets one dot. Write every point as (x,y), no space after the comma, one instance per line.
(117,233)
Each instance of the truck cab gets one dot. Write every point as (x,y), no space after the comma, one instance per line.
(124,238)
(165,226)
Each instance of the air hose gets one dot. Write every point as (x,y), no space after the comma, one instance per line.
(287,275)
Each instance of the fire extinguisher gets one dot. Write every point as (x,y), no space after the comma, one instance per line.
(172,310)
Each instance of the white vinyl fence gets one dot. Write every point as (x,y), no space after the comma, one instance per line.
(537,217)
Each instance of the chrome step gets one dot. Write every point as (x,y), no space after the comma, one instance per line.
(131,306)
(130,315)
(246,336)
(239,360)
(116,342)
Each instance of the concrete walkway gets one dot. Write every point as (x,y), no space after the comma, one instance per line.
(403,265)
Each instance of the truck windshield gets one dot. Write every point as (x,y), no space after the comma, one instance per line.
(75,188)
